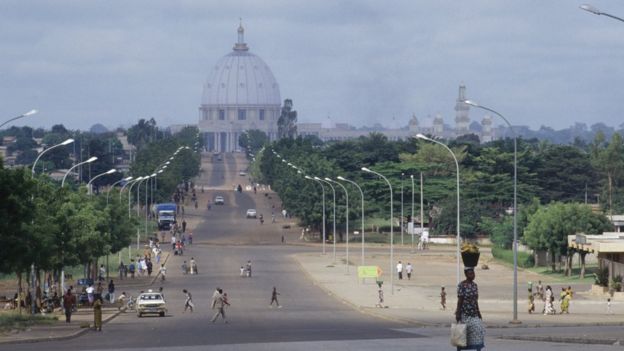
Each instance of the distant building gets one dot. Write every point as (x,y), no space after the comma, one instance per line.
(240,94)
(429,126)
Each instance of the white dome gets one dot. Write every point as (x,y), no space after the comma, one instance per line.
(241,78)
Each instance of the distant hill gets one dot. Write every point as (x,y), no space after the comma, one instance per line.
(98,129)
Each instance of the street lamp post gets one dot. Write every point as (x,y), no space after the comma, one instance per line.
(76,165)
(29,113)
(334,213)
(413,226)
(515,208)
(322,187)
(391,227)
(595,11)
(420,136)
(32,266)
(66,142)
(362,194)
(401,221)
(127,179)
(346,218)
(63,184)
(110,171)
(131,183)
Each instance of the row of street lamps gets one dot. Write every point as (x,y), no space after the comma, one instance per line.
(329,182)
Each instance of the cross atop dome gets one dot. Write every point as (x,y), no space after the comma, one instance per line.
(240,44)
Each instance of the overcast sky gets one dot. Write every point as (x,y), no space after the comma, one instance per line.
(361,62)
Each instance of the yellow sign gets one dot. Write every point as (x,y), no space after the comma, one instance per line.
(369,271)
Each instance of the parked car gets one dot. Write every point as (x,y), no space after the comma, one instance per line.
(242,173)
(151,303)
(219,200)
(251,213)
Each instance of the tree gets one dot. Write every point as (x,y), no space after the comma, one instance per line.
(253,140)
(142,133)
(287,122)
(549,227)
(609,161)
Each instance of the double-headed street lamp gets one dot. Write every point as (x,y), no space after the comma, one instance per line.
(334,213)
(362,194)
(391,227)
(66,142)
(421,136)
(110,171)
(322,187)
(29,113)
(515,207)
(595,11)
(346,217)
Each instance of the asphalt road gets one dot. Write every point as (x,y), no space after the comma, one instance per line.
(309,319)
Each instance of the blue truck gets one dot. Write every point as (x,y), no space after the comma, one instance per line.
(165,215)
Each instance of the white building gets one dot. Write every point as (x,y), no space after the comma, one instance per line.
(240,93)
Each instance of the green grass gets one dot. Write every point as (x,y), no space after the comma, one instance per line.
(525,260)
(561,278)
(14,320)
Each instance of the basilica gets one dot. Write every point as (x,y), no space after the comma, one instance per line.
(242,94)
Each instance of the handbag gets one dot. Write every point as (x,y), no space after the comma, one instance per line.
(458,335)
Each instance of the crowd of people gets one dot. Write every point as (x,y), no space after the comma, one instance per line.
(547,296)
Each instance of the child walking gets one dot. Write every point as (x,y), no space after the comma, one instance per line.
(443,298)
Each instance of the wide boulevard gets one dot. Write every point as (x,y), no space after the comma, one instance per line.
(310,318)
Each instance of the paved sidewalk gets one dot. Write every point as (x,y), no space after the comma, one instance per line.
(417,301)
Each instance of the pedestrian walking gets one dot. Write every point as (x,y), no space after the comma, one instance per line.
(248,268)
(163,272)
(609,311)
(150,267)
(190,238)
(122,269)
(90,293)
(102,273)
(183,226)
(188,303)
(97,314)
(399,268)
(408,270)
(111,291)
(69,301)
(274,298)
(131,268)
(380,296)
(468,311)
(443,298)
(219,302)
(98,291)
(549,301)
(531,301)
(193,266)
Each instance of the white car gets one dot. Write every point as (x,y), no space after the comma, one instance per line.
(151,303)
(251,213)
(242,173)
(219,200)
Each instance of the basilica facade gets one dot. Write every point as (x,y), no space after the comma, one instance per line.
(240,94)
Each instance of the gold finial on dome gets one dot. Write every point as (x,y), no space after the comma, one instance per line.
(240,44)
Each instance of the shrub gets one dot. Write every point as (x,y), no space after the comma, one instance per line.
(525,259)
(602,277)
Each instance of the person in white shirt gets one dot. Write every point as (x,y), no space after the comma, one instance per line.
(399,268)
(408,270)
